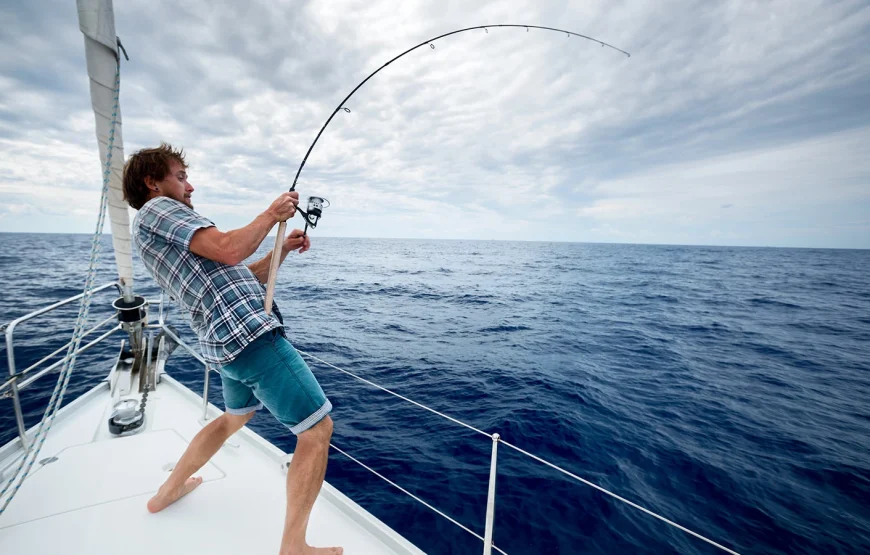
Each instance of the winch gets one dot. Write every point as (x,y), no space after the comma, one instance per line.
(127,418)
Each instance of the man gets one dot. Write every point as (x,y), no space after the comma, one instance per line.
(202,268)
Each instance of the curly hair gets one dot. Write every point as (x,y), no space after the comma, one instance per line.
(148,162)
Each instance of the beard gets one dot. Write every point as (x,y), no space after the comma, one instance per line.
(184,200)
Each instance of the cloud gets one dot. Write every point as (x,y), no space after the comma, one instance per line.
(506,134)
(790,184)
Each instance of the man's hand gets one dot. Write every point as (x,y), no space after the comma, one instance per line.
(284,207)
(296,240)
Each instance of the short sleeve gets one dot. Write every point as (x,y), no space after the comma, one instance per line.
(172,221)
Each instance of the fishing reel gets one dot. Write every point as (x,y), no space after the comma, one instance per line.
(314,212)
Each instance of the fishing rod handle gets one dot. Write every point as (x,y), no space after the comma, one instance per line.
(273,267)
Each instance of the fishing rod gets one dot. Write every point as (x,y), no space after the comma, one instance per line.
(315,204)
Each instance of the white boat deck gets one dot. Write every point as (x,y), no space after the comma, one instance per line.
(91,500)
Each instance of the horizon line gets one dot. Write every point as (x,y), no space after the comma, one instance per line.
(514,241)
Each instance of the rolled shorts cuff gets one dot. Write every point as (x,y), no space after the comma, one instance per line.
(315,417)
(244,410)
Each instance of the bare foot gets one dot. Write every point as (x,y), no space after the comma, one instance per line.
(166,498)
(308,550)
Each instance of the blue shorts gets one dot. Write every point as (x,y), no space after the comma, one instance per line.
(270,372)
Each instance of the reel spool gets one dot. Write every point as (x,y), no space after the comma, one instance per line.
(315,211)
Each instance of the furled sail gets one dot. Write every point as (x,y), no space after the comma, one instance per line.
(97,23)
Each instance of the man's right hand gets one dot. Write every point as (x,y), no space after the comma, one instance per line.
(235,246)
(284,207)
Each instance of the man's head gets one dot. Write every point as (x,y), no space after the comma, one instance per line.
(156,172)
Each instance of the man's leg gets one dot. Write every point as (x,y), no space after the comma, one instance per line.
(203,447)
(304,479)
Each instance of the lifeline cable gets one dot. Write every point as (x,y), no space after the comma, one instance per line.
(512,446)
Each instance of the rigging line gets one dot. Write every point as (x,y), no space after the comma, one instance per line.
(414,497)
(430,42)
(441,414)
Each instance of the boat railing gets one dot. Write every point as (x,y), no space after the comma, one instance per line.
(486,538)
(20,380)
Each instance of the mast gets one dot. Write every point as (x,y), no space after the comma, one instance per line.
(97,23)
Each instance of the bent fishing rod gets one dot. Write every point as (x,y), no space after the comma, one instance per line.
(316,204)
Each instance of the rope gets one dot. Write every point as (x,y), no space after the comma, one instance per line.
(514,447)
(69,361)
(414,497)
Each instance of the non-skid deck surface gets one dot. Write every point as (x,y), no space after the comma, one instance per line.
(91,500)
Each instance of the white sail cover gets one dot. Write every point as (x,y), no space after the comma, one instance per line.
(97,22)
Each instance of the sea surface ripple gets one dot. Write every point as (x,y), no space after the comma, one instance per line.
(724,388)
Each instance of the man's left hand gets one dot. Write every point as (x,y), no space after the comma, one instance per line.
(296,240)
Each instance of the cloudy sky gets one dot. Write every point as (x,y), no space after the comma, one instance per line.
(732,123)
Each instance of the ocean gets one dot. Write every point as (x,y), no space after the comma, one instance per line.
(726,388)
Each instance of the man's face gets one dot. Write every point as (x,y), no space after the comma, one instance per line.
(175,184)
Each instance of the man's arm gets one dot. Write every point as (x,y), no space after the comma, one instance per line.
(296,240)
(232,247)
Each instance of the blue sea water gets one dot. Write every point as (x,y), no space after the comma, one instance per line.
(724,388)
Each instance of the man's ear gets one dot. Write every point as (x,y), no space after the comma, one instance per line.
(150,183)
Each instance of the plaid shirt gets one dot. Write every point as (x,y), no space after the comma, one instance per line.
(225,303)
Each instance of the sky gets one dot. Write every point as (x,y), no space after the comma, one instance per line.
(732,123)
